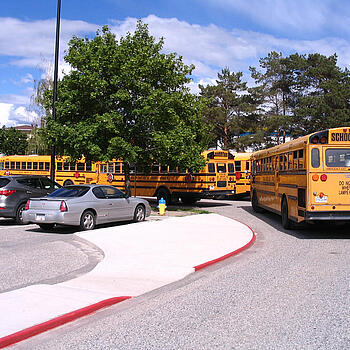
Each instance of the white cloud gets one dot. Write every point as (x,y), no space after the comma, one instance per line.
(212,48)
(5,109)
(10,115)
(34,41)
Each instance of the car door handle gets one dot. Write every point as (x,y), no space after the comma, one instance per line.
(110,204)
(29,192)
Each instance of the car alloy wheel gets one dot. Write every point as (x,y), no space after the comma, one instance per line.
(87,221)
(140,213)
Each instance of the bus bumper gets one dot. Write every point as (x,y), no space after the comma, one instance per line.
(214,194)
(327,215)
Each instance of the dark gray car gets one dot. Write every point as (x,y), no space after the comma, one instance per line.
(15,190)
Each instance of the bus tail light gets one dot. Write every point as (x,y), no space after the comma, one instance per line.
(63,206)
(323,139)
(323,177)
(27,205)
(6,193)
(314,140)
(238,175)
(315,177)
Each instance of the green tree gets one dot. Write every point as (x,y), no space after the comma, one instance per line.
(320,93)
(38,142)
(228,108)
(12,141)
(127,100)
(273,90)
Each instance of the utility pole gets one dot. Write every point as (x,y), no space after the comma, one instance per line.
(55,78)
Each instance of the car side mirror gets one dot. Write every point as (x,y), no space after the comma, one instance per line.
(126,195)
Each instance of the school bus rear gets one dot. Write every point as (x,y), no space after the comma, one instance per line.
(329,175)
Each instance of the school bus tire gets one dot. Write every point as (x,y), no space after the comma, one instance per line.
(286,222)
(255,203)
(164,193)
(68,183)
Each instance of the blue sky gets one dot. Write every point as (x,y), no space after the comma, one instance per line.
(211,34)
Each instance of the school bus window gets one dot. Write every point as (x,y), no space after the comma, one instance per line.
(72,166)
(41,165)
(88,166)
(59,166)
(247,165)
(66,166)
(172,169)
(7,165)
(132,169)
(35,166)
(163,169)
(231,168)
(211,167)
(238,165)
(24,165)
(80,166)
(12,165)
(1,166)
(221,168)
(18,165)
(117,168)
(155,168)
(47,166)
(315,158)
(338,157)
(111,168)
(103,168)
(29,166)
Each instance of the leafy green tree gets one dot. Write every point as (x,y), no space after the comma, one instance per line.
(38,142)
(12,141)
(320,93)
(228,108)
(127,100)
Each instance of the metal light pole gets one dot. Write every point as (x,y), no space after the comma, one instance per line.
(55,78)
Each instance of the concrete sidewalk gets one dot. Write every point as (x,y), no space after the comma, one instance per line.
(138,258)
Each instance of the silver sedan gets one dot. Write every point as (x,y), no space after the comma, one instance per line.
(85,206)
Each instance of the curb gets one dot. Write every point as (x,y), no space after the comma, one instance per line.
(56,322)
(235,252)
(74,315)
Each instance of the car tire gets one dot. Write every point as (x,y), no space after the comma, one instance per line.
(46,227)
(87,221)
(19,212)
(140,213)
(286,222)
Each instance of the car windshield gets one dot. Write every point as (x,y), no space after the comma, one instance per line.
(4,182)
(70,191)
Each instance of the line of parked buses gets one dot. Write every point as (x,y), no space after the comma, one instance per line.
(306,179)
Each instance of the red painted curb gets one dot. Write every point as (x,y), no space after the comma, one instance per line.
(235,252)
(58,321)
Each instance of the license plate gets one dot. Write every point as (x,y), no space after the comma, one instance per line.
(40,217)
(323,199)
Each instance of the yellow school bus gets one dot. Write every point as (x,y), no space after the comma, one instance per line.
(240,169)
(67,173)
(173,184)
(307,179)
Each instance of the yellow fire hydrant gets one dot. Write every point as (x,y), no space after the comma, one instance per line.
(161,206)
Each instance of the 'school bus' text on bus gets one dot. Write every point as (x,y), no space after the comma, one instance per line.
(307,179)
(163,181)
